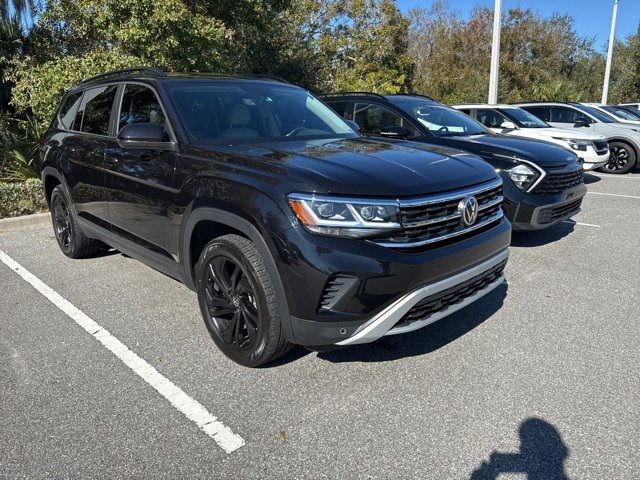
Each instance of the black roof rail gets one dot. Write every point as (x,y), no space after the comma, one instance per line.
(414,95)
(126,71)
(339,94)
(546,101)
(259,76)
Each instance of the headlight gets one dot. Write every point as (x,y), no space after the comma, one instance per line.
(342,217)
(523,176)
(577,144)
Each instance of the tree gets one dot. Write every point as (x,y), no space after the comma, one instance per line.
(11,40)
(625,75)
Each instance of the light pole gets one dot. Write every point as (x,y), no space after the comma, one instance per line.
(612,39)
(495,53)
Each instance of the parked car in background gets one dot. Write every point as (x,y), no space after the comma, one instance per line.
(290,227)
(623,138)
(543,183)
(620,114)
(591,148)
(632,105)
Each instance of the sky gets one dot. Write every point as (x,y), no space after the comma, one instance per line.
(592,18)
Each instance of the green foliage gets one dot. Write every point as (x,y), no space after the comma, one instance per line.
(22,198)
(11,40)
(19,149)
(625,75)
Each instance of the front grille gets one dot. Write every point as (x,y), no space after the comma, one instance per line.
(601,146)
(434,219)
(442,300)
(548,215)
(554,183)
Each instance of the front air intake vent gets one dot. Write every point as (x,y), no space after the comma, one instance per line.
(335,288)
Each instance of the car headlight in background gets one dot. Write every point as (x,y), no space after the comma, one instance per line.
(523,176)
(342,217)
(580,145)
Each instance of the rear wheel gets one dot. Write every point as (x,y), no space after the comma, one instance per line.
(71,240)
(622,158)
(238,302)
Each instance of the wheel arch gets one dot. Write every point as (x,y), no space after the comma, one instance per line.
(627,141)
(225,222)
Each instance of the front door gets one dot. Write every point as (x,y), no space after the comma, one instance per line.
(141,181)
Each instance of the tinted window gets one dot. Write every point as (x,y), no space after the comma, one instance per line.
(344,109)
(540,112)
(466,111)
(373,118)
(250,111)
(140,105)
(565,115)
(68,111)
(594,112)
(96,110)
(524,118)
(490,118)
(440,120)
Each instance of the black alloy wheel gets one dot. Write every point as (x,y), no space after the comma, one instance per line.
(621,160)
(62,224)
(238,301)
(231,303)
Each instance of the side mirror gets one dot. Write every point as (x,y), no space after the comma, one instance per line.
(508,125)
(581,122)
(353,125)
(145,136)
(394,131)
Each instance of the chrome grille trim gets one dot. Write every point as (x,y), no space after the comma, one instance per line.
(493,203)
(458,194)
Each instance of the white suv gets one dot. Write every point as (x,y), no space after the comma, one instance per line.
(624,138)
(618,113)
(592,148)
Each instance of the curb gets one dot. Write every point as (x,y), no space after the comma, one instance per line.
(15,224)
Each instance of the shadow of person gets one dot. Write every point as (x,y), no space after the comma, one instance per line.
(542,455)
(425,340)
(537,238)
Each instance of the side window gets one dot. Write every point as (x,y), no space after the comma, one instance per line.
(67,114)
(490,118)
(344,109)
(565,115)
(140,105)
(465,110)
(541,112)
(373,118)
(95,110)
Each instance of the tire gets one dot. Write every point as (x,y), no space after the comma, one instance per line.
(238,302)
(623,158)
(71,240)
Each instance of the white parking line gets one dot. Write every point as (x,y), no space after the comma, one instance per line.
(581,224)
(617,177)
(193,410)
(614,195)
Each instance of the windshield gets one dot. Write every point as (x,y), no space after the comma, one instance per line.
(236,112)
(440,120)
(597,114)
(622,113)
(524,118)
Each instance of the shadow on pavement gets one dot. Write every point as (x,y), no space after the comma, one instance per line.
(590,178)
(425,340)
(541,457)
(537,238)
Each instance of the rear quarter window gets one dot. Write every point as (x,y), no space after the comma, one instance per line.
(68,111)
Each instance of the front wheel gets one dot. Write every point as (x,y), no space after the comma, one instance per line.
(71,240)
(621,160)
(238,302)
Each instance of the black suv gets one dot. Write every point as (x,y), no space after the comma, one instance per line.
(289,226)
(543,183)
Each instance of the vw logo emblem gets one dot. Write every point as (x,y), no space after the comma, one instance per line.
(468,210)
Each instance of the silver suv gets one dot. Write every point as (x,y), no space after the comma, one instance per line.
(624,138)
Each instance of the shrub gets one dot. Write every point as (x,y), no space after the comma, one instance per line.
(22,198)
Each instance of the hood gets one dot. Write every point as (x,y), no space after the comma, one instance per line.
(540,152)
(573,133)
(377,168)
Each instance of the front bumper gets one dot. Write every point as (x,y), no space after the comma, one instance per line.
(336,288)
(592,160)
(535,212)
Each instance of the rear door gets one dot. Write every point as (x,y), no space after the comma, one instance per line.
(84,148)
(566,117)
(141,180)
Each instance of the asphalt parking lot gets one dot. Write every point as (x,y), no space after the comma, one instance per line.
(539,378)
